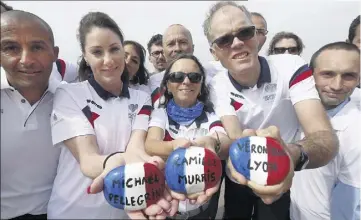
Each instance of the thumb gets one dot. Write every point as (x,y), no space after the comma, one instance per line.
(97,184)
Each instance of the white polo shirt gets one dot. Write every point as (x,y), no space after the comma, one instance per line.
(205,125)
(155,81)
(28,162)
(144,88)
(65,71)
(284,81)
(356,97)
(85,108)
(312,188)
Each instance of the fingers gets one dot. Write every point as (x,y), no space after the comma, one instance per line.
(97,184)
(136,215)
(234,174)
(178,196)
(248,132)
(153,210)
(158,161)
(174,207)
(164,204)
(194,196)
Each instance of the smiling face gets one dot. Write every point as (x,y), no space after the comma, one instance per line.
(185,93)
(337,73)
(27,53)
(240,57)
(104,53)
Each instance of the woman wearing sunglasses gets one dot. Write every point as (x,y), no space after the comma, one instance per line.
(286,42)
(185,118)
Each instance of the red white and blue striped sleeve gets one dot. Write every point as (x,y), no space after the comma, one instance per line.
(142,118)
(302,85)
(215,124)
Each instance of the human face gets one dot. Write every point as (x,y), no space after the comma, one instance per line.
(286,45)
(185,93)
(157,57)
(337,73)
(27,53)
(132,60)
(176,40)
(241,57)
(261,30)
(356,39)
(104,53)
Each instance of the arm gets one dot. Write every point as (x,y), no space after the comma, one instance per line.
(345,202)
(211,141)
(232,126)
(320,142)
(155,145)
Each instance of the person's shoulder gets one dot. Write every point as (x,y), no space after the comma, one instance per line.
(285,61)
(139,95)
(220,78)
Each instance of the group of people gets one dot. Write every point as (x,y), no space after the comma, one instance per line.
(65,126)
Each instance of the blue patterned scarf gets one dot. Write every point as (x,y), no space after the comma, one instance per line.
(184,116)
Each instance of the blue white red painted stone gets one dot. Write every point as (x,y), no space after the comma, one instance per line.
(192,170)
(134,186)
(260,159)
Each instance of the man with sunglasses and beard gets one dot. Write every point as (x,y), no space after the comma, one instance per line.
(256,96)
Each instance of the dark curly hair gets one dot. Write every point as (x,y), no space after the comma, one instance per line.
(204,93)
(142,75)
(285,35)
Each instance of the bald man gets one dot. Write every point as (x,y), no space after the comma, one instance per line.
(28,159)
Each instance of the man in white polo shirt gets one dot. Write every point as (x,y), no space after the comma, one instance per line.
(255,93)
(28,162)
(333,191)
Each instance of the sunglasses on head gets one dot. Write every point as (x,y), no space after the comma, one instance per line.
(178,77)
(242,34)
(281,50)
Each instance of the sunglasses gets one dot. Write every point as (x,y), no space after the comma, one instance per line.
(281,50)
(243,34)
(178,77)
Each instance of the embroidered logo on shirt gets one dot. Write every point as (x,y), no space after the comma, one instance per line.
(94,103)
(133,107)
(91,116)
(271,87)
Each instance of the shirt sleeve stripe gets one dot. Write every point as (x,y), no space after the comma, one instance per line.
(215,124)
(301,74)
(155,95)
(146,110)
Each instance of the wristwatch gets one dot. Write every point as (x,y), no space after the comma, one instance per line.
(302,160)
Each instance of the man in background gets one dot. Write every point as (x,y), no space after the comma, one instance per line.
(156,55)
(261,27)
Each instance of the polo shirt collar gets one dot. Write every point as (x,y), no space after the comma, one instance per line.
(264,77)
(200,120)
(104,94)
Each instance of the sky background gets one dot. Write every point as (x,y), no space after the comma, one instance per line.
(317,22)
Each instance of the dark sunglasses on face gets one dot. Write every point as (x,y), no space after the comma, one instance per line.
(281,50)
(242,34)
(178,77)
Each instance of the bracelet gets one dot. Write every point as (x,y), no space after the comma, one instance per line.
(106,159)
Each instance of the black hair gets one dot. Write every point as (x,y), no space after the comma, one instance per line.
(352,29)
(7,7)
(142,75)
(87,23)
(156,40)
(285,35)
(340,45)
(204,93)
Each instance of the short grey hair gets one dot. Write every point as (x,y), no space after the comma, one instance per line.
(214,8)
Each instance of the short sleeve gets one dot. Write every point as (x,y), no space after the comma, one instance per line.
(67,119)
(220,98)
(215,124)
(159,118)
(71,73)
(302,83)
(142,118)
